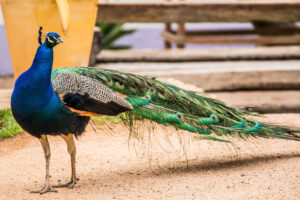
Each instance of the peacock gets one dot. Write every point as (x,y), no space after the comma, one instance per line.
(61,102)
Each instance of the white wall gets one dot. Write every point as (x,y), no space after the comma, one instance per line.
(5,62)
(1,17)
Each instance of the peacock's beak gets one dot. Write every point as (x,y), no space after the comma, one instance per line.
(59,40)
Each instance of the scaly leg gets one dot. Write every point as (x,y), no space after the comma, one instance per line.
(46,148)
(72,151)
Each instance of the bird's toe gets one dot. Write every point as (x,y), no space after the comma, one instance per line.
(46,189)
(69,184)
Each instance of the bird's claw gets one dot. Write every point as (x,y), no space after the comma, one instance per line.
(46,189)
(69,184)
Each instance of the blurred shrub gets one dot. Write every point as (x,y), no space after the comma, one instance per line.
(110,33)
(8,125)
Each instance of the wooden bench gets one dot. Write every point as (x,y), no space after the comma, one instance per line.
(273,20)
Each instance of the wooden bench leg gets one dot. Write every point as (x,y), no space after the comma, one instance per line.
(180,32)
(168,29)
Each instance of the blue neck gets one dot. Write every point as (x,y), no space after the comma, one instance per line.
(42,64)
(33,89)
(40,70)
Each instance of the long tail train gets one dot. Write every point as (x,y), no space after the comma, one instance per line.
(172,106)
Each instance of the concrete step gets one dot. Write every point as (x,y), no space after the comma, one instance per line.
(262,101)
(218,76)
(208,54)
(6,82)
(5,95)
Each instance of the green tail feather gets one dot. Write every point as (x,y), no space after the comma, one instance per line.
(172,106)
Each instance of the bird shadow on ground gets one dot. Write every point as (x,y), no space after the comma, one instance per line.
(223,164)
(139,173)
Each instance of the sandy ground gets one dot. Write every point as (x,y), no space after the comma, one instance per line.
(111,168)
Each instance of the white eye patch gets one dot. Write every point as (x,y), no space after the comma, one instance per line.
(50,40)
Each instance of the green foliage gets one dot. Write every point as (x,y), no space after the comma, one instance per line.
(110,33)
(8,125)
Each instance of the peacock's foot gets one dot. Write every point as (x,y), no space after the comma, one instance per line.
(69,184)
(47,188)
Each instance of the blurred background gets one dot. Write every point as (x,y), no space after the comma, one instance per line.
(243,52)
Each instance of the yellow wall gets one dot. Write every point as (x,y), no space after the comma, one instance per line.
(23,19)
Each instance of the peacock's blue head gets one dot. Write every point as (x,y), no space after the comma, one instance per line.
(53,39)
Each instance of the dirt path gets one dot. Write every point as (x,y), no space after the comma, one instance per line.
(108,169)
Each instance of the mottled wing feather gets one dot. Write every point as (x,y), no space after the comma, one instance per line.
(83,93)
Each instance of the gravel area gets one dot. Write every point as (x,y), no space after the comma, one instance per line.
(109,168)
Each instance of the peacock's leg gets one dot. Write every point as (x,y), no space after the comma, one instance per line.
(45,144)
(72,151)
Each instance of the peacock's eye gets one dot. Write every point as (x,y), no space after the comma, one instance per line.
(180,116)
(51,37)
(120,85)
(214,117)
(147,97)
(152,91)
(109,81)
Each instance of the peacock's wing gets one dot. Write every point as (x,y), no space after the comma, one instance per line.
(169,105)
(88,96)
